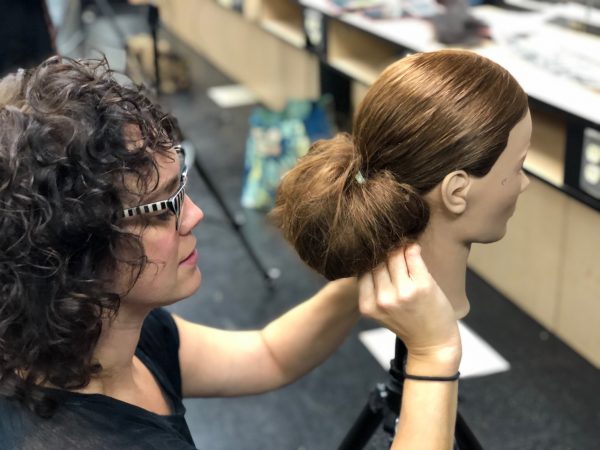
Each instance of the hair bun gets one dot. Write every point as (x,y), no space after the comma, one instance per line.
(341,225)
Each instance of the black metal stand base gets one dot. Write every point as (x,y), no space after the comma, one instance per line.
(384,406)
(369,420)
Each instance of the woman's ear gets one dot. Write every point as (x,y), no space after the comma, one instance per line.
(454,191)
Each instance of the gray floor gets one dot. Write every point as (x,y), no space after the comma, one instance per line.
(549,400)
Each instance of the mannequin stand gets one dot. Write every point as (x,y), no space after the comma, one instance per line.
(384,406)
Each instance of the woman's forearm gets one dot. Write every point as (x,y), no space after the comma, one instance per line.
(428,411)
(404,297)
(306,335)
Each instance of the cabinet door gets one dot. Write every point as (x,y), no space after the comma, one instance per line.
(273,69)
(526,265)
(578,318)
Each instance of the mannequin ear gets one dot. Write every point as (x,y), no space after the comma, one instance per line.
(454,190)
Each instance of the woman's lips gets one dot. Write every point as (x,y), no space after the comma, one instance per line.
(191,259)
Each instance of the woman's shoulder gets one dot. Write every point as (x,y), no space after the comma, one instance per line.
(86,422)
(158,348)
(159,329)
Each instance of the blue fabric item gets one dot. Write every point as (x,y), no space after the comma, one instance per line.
(275,142)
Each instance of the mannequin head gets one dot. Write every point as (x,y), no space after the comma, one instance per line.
(476,209)
(428,141)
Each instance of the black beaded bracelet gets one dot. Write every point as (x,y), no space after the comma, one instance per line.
(454,377)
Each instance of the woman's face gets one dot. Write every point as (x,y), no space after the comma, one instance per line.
(493,198)
(171,273)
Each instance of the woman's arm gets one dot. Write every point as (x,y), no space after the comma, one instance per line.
(428,411)
(402,295)
(305,336)
(226,363)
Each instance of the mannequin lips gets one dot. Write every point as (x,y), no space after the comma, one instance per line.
(191,259)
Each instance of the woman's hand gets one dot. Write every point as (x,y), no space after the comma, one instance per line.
(403,296)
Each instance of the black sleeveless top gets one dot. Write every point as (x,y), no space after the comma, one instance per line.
(94,421)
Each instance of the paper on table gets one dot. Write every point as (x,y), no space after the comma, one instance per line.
(232,96)
(479,358)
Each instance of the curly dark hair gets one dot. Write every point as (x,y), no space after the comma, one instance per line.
(64,153)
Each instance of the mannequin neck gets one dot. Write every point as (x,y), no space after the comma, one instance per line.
(446,258)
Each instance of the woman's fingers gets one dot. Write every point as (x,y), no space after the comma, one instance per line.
(402,295)
(416,268)
(383,285)
(398,270)
(401,281)
(366,294)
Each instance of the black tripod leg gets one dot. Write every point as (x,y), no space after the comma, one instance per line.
(367,422)
(268,275)
(464,437)
(383,405)
(153,18)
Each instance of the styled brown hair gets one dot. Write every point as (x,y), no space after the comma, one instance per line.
(354,198)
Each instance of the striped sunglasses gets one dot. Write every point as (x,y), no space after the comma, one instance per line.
(174,203)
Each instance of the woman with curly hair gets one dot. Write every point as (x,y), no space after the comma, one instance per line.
(97,237)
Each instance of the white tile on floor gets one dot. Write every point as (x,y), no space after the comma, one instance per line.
(479,358)
(232,96)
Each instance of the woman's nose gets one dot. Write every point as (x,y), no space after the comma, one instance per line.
(192,215)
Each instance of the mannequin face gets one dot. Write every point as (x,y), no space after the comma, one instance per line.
(467,209)
(491,200)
